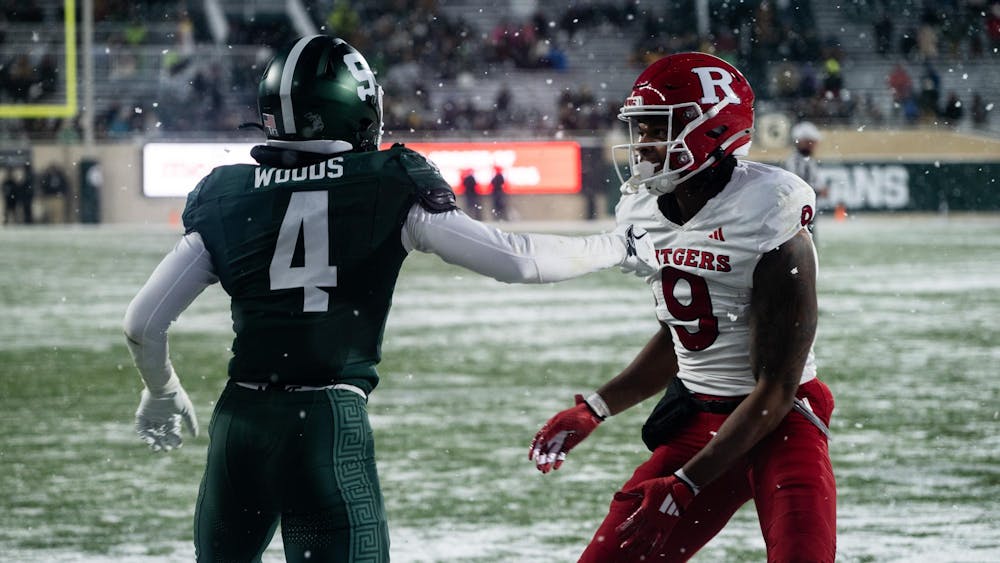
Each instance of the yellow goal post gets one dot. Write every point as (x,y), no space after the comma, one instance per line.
(69,106)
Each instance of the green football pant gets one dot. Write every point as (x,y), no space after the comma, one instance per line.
(303,459)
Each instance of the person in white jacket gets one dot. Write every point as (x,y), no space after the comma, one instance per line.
(802,162)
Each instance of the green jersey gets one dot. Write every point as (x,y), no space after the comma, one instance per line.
(310,257)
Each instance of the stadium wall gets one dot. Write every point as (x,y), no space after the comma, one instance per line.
(902,170)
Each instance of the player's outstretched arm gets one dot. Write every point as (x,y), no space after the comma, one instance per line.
(164,405)
(525,258)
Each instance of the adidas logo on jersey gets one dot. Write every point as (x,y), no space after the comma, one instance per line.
(717,235)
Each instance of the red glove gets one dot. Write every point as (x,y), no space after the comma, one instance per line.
(561,434)
(663,501)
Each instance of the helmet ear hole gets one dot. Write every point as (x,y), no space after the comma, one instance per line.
(717,132)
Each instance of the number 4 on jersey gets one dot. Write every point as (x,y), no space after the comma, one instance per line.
(307,213)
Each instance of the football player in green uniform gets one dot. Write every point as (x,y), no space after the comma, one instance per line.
(308,245)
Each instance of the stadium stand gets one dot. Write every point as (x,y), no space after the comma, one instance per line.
(168,69)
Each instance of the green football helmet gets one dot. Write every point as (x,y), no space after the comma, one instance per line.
(319,89)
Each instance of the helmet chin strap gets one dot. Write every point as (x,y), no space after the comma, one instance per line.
(643,177)
(661,186)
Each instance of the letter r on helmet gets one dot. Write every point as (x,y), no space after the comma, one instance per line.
(712,80)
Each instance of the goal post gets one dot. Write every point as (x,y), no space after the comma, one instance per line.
(69,106)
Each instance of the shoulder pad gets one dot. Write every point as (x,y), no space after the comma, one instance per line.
(433,193)
(191,210)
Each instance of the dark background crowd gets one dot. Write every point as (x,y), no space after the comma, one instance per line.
(162,69)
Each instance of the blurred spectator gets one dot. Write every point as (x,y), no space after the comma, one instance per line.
(119,122)
(808,81)
(993,27)
(900,83)
(344,21)
(725,45)
(911,111)
(980,111)
(499,194)
(20,79)
(473,207)
(930,92)
(766,30)
(955,28)
(908,43)
(883,34)
(871,115)
(952,111)
(7,185)
(786,81)
(47,75)
(579,110)
(18,195)
(54,187)
(833,80)
(125,53)
(927,35)
(903,101)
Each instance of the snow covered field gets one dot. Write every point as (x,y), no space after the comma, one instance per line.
(908,341)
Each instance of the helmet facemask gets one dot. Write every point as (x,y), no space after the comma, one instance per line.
(679,164)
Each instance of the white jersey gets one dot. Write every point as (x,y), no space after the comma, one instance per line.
(702,290)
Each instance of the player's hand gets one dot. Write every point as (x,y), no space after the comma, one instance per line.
(158,418)
(663,500)
(561,434)
(640,257)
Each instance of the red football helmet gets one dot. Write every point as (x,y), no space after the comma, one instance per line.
(706,106)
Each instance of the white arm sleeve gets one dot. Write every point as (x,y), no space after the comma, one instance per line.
(509,257)
(179,278)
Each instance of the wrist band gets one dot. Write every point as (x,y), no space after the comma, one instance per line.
(597,404)
(687,480)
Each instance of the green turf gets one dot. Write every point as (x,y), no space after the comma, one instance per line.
(907,341)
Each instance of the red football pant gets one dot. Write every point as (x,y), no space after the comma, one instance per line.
(788,475)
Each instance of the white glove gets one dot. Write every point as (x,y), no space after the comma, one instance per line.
(640,257)
(158,418)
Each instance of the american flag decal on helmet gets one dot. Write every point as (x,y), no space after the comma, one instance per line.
(633,101)
(270,125)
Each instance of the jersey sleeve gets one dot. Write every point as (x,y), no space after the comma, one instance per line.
(179,278)
(793,209)
(508,257)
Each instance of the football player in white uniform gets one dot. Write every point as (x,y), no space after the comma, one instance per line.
(743,416)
